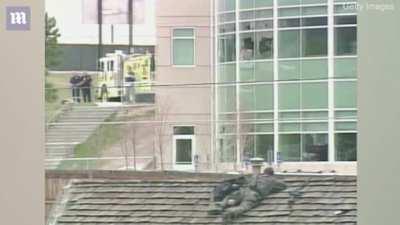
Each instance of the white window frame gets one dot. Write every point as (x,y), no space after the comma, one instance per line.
(173,38)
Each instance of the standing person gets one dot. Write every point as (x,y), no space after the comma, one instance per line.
(130,87)
(86,88)
(75,83)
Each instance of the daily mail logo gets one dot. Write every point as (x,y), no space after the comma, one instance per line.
(18,18)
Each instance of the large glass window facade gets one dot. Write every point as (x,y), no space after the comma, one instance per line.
(289,93)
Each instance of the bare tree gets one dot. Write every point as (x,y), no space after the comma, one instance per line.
(161,115)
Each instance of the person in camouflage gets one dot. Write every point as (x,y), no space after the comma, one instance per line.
(250,196)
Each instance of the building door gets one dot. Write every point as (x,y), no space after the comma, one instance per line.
(184,151)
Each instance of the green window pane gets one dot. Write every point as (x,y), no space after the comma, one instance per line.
(264,45)
(246,4)
(227,73)
(264,95)
(314,127)
(289,116)
(247,98)
(226,17)
(289,70)
(247,15)
(346,114)
(289,44)
(264,71)
(247,71)
(264,13)
(314,69)
(183,52)
(346,41)
(183,151)
(183,32)
(283,12)
(315,115)
(314,10)
(345,95)
(263,3)
(226,99)
(227,48)
(314,95)
(247,42)
(267,127)
(345,126)
(315,42)
(288,2)
(346,147)
(314,147)
(289,127)
(226,5)
(289,147)
(264,146)
(346,67)
(305,2)
(226,28)
(289,96)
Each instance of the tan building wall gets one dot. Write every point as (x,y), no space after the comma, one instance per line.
(185,105)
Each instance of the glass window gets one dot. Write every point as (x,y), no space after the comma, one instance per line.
(227,72)
(184,130)
(283,12)
(183,47)
(247,15)
(289,44)
(289,96)
(339,20)
(226,48)
(345,94)
(247,46)
(264,24)
(346,126)
(346,147)
(314,147)
(246,4)
(289,22)
(247,25)
(256,97)
(346,67)
(314,10)
(289,70)
(264,13)
(264,45)
(316,127)
(346,41)
(225,28)
(226,5)
(256,71)
(314,21)
(314,95)
(227,99)
(258,146)
(290,147)
(288,2)
(264,71)
(264,96)
(304,2)
(315,42)
(183,151)
(227,144)
(314,69)
(263,3)
(227,17)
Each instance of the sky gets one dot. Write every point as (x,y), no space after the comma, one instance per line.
(69,16)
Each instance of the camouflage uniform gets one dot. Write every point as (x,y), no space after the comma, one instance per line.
(241,201)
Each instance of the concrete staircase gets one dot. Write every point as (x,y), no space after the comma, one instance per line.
(66,132)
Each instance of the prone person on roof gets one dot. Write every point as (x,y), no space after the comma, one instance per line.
(248,196)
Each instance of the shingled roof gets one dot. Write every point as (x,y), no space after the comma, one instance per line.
(320,200)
